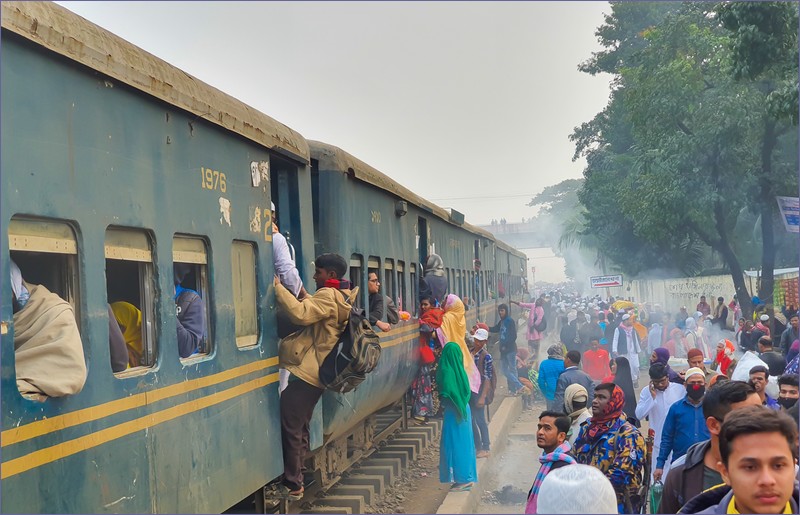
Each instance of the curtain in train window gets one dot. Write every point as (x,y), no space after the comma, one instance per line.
(190,260)
(373,267)
(130,290)
(389,286)
(245,293)
(402,293)
(356,275)
(412,278)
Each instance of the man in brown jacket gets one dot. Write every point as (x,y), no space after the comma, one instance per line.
(323,317)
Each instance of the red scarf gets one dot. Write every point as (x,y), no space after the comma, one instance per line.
(613,410)
(432,317)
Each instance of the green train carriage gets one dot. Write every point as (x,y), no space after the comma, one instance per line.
(115,161)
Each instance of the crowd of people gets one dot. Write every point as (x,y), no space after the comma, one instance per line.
(698,449)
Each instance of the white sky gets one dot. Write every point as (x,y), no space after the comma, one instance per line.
(468,104)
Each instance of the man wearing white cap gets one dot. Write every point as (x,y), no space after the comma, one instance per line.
(626,343)
(763,325)
(685,424)
(479,401)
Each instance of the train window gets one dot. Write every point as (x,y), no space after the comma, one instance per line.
(402,294)
(373,267)
(356,275)
(245,293)
(190,256)
(412,277)
(46,253)
(130,290)
(457,289)
(389,287)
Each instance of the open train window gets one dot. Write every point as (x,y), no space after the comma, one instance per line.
(389,287)
(356,276)
(190,255)
(412,277)
(130,290)
(402,295)
(457,287)
(244,269)
(373,267)
(46,253)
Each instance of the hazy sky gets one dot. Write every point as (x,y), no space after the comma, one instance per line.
(468,104)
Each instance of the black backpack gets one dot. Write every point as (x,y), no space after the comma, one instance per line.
(542,325)
(355,355)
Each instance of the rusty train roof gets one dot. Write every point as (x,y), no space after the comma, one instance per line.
(337,159)
(64,32)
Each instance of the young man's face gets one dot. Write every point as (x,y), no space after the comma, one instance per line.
(661,384)
(547,435)
(702,300)
(502,312)
(424,305)
(759,380)
(321,275)
(760,470)
(794,322)
(595,344)
(696,362)
(741,322)
(789,391)
(373,285)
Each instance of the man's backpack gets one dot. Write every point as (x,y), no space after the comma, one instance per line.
(355,355)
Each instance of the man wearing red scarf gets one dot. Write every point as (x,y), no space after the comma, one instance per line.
(610,443)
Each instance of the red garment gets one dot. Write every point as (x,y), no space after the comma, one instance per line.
(595,363)
(601,424)
(432,317)
(609,378)
(725,357)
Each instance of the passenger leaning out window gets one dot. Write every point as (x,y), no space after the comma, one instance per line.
(48,351)
(190,312)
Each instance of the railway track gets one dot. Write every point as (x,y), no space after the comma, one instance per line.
(356,469)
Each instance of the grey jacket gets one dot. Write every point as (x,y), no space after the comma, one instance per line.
(570,376)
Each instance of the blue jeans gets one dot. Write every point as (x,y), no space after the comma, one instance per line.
(510,370)
(480,429)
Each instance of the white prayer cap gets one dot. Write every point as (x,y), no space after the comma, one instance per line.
(764,318)
(576,489)
(625,317)
(272,205)
(694,371)
(482,334)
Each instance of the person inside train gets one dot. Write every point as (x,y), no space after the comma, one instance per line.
(129,320)
(379,303)
(116,343)
(321,316)
(48,351)
(191,313)
(433,283)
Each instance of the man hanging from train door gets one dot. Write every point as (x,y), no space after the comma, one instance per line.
(322,317)
(286,270)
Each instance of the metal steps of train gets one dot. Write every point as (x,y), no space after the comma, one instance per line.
(370,478)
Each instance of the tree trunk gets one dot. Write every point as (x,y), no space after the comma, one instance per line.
(767,283)
(737,274)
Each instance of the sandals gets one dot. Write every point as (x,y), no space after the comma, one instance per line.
(281,491)
(461,487)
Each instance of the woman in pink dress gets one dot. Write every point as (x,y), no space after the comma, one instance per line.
(535,319)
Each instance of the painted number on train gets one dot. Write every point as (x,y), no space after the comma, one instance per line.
(213,180)
(376,217)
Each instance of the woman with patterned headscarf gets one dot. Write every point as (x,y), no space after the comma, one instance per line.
(612,445)
(457,448)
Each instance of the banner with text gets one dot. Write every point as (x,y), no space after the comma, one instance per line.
(606,281)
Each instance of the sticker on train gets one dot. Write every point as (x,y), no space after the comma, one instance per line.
(255,219)
(225,209)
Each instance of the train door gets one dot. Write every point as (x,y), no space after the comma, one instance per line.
(289,204)
(422,240)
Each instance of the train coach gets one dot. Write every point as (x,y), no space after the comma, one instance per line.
(115,167)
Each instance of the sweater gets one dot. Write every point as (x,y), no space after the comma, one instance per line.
(549,371)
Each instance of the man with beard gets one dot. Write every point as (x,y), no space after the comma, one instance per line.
(759,377)
(611,444)
(655,400)
(626,343)
(551,437)
(685,423)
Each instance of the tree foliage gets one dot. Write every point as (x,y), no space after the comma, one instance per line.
(689,140)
